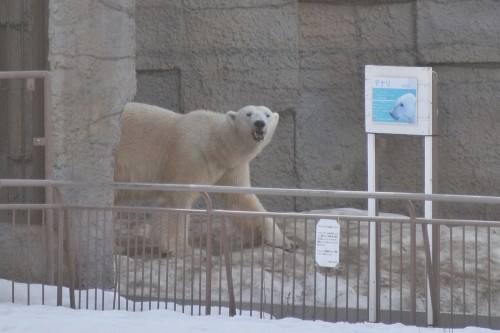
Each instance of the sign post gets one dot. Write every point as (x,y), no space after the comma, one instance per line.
(399,100)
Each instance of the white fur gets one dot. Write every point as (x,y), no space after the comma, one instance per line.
(201,147)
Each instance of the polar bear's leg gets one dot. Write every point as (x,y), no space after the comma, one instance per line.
(272,235)
(170,230)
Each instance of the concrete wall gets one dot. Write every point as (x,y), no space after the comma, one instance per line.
(222,55)
(305,60)
(92,60)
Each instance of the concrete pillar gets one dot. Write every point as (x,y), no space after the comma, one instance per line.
(92,60)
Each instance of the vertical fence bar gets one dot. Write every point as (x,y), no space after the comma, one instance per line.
(476,289)
(489,276)
(70,259)
(49,172)
(452,278)
(28,261)
(358,269)
(162,225)
(60,255)
(208,292)
(413,263)
(463,274)
(272,268)
(390,273)
(68,247)
(13,254)
(431,282)
(227,263)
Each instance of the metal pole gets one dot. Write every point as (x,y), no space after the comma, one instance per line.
(208,278)
(229,269)
(430,188)
(413,264)
(372,211)
(49,174)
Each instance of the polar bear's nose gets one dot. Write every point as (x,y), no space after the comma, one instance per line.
(259,124)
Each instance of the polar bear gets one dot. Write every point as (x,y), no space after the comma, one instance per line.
(404,109)
(200,147)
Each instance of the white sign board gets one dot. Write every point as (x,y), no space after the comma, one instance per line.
(400,100)
(327,243)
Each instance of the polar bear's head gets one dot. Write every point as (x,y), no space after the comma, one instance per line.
(256,123)
(404,109)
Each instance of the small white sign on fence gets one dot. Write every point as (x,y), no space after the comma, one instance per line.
(327,243)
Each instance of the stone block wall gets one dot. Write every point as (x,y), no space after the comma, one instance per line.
(305,60)
(223,55)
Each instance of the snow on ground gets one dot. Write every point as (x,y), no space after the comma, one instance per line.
(49,318)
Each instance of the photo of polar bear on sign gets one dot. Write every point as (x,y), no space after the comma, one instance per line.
(200,147)
(404,110)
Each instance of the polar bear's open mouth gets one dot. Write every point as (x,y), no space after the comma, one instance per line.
(258,135)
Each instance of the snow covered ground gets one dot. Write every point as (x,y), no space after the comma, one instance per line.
(49,318)
(265,274)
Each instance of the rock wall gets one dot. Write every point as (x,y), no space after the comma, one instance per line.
(92,60)
(305,60)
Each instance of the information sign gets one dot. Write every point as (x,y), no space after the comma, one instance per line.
(399,100)
(327,243)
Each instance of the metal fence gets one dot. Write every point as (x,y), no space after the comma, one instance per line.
(104,257)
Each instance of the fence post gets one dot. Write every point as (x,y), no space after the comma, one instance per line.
(229,269)
(433,293)
(64,231)
(208,280)
(49,172)
(60,240)
(413,263)
(374,280)
(225,249)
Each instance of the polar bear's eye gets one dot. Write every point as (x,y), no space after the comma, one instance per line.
(249,114)
(268,115)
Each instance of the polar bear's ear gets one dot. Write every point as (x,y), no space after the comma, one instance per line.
(231,115)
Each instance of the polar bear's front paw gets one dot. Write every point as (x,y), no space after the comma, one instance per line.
(287,245)
(181,251)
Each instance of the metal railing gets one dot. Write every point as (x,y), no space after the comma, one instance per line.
(108,249)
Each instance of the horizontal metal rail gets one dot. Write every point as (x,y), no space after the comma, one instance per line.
(456,198)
